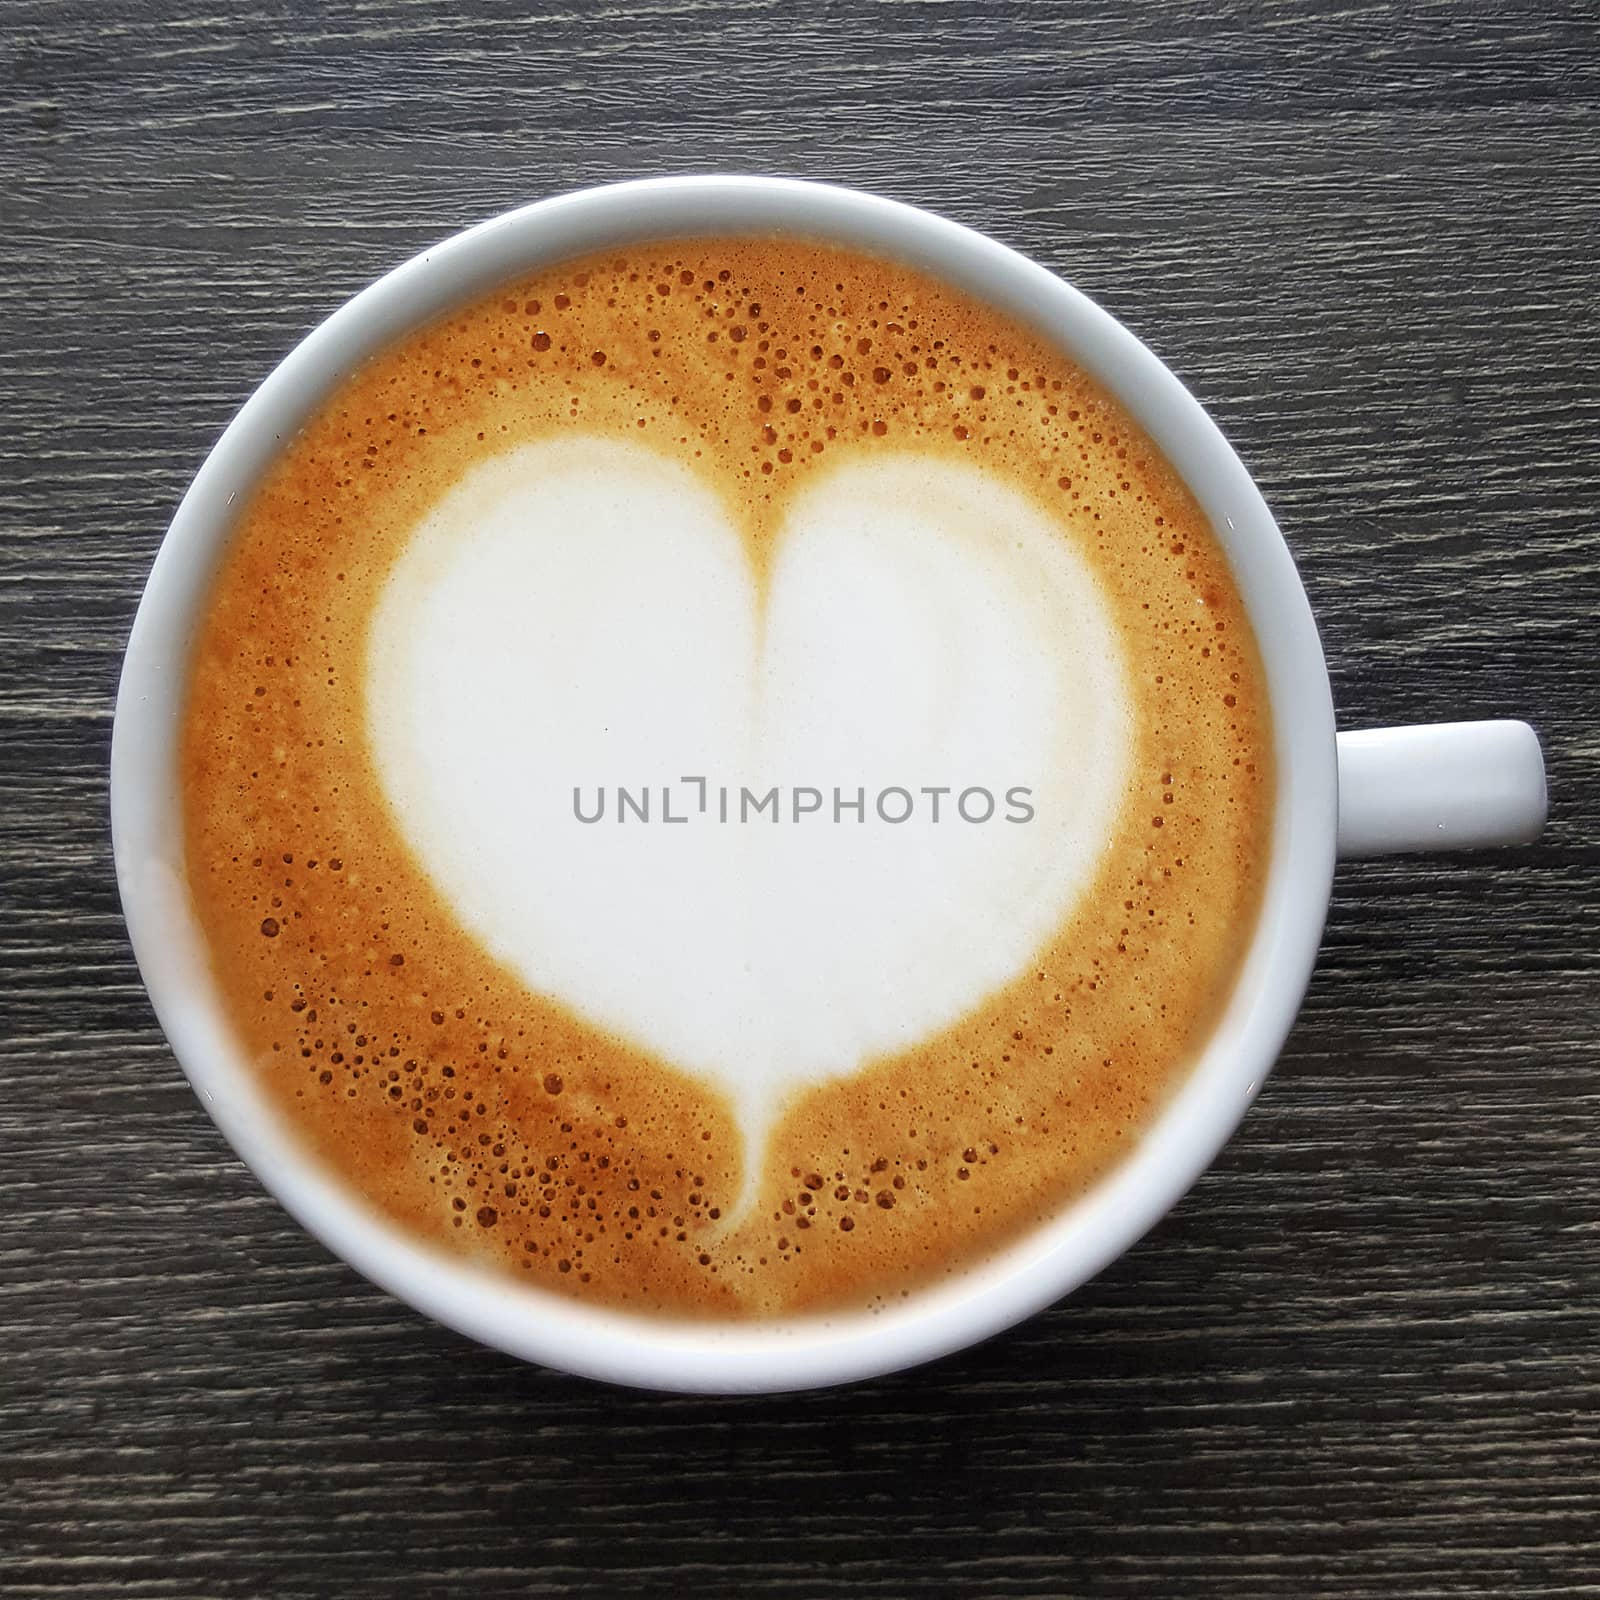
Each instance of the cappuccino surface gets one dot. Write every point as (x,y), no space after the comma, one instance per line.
(725,778)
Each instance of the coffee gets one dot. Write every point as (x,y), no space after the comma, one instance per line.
(726,778)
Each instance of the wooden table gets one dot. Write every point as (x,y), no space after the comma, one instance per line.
(1361,1357)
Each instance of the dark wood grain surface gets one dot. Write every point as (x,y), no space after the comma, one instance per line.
(1361,1358)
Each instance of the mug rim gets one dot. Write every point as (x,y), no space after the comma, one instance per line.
(1050,1260)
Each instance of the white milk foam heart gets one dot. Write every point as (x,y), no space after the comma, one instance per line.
(582,613)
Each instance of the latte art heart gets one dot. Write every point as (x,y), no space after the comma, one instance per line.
(584,614)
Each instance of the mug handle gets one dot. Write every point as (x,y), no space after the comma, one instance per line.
(1441,786)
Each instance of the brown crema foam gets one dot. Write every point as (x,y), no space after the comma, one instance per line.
(500,1126)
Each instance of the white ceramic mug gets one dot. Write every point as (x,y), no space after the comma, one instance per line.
(1445,786)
